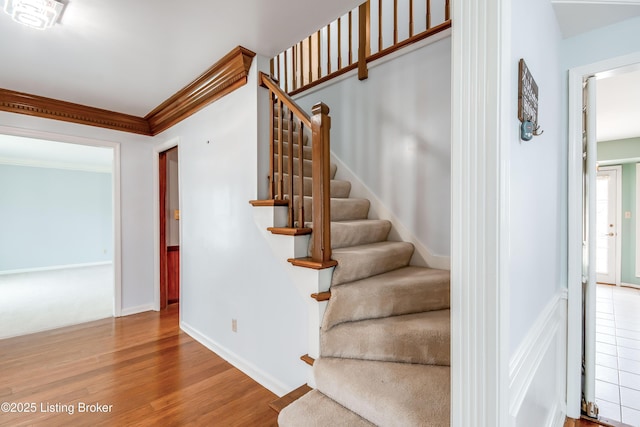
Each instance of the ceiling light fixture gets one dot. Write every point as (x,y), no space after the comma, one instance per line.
(39,14)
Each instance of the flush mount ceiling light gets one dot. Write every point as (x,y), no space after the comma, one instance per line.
(40,14)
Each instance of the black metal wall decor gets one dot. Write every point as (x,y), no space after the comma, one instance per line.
(527,103)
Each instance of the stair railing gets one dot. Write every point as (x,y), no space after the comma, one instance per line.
(320,125)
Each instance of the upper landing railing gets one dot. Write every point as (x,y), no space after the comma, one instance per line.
(372,30)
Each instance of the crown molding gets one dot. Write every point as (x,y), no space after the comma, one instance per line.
(49,108)
(225,76)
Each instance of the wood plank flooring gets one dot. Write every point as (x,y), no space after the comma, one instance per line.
(136,370)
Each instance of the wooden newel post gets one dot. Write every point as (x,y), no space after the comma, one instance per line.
(364,42)
(321,217)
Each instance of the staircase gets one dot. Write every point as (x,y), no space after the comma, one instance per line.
(385,335)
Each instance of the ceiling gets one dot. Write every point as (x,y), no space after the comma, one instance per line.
(580,16)
(618,106)
(130,56)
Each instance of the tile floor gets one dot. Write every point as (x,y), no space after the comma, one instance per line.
(618,353)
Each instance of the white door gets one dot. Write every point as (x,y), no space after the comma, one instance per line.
(607,217)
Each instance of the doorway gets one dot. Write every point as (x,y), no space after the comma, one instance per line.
(608,189)
(169,227)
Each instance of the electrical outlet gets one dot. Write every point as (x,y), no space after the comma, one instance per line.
(234,325)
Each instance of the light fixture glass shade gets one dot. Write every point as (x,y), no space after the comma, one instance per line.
(39,14)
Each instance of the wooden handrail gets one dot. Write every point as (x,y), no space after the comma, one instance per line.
(266,81)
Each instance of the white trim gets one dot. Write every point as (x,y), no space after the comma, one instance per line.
(422,255)
(524,364)
(261,377)
(637,241)
(53,268)
(164,146)
(128,311)
(574,274)
(116,180)
(630,285)
(53,165)
(480,160)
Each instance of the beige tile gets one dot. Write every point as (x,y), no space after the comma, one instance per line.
(609,375)
(629,353)
(631,416)
(605,316)
(628,343)
(609,410)
(605,348)
(629,365)
(625,333)
(607,391)
(628,380)
(605,330)
(605,322)
(629,397)
(606,360)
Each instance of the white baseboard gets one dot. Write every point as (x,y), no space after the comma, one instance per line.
(53,268)
(422,255)
(525,363)
(128,311)
(245,366)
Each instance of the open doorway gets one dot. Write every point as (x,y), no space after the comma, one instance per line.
(58,227)
(169,227)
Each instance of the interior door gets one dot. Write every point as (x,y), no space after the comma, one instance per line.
(607,224)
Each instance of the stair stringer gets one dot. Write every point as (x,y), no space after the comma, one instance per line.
(307,281)
(422,256)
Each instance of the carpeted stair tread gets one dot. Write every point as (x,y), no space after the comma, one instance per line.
(285,137)
(411,338)
(387,393)
(338,188)
(341,209)
(306,150)
(403,291)
(314,409)
(359,262)
(356,232)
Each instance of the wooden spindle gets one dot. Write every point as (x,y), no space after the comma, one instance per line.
(339,43)
(320,129)
(319,55)
(395,21)
(290,169)
(278,64)
(364,40)
(301,176)
(310,60)
(271,68)
(447,11)
(301,56)
(286,72)
(272,142)
(280,152)
(329,49)
(428,14)
(294,68)
(379,25)
(350,39)
(410,18)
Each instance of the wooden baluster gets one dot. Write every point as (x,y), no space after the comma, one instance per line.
(310,60)
(271,68)
(320,128)
(286,72)
(428,14)
(339,44)
(410,18)
(364,43)
(290,169)
(350,39)
(379,25)
(301,55)
(272,143)
(280,152)
(301,175)
(319,55)
(395,21)
(328,49)
(447,11)
(278,66)
(294,68)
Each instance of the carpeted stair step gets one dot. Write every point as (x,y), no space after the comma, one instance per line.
(411,338)
(356,232)
(359,262)
(337,188)
(307,167)
(306,150)
(403,291)
(314,409)
(285,137)
(387,393)
(285,123)
(341,209)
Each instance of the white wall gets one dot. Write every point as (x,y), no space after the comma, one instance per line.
(136,194)
(537,240)
(228,270)
(393,131)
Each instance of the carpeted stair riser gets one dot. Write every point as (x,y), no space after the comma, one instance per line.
(403,291)
(317,410)
(340,209)
(387,393)
(306,150)
(356,233)
(338,188)
(411,338)
(307,167)
(359,262)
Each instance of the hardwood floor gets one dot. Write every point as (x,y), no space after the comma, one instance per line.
(139,370)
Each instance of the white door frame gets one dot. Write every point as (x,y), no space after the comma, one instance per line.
(167,145)
(574,321)
(117,218)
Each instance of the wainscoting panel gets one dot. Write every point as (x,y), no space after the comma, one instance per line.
(537,370)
